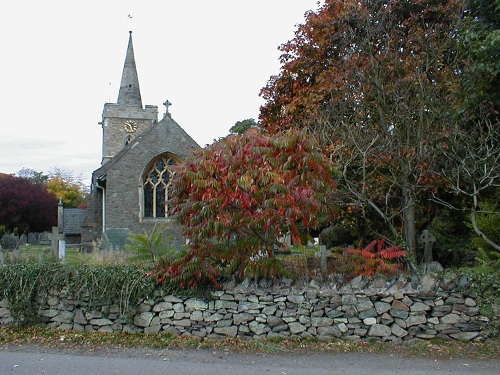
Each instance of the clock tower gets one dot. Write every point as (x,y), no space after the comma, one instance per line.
(123,121)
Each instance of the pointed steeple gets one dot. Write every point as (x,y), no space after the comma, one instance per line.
(130,93)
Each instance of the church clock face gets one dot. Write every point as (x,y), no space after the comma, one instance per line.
(130,126)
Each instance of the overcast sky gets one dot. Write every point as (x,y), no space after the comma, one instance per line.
(62,60)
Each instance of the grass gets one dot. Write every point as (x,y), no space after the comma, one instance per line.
(95,341)
(37,253)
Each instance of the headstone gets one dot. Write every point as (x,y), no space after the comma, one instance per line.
(9,242)
(23,240)
(115,239)
(62,249)
(33,239)
(323,254)
(427,239)
(44,238)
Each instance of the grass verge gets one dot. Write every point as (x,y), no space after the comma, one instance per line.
(94,341)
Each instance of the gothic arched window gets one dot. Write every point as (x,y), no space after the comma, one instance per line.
(157,187)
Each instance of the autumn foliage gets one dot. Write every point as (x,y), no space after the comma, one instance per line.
(239,196)
(378,82)
(25,204)
(376,258)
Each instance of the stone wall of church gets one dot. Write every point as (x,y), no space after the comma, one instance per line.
(124,176)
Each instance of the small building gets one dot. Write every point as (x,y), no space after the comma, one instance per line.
(131,190)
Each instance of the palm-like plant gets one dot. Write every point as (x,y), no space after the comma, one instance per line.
(150,248)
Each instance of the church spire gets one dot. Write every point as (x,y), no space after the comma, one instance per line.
(130,93)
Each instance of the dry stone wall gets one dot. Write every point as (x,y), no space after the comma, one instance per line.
(386,310)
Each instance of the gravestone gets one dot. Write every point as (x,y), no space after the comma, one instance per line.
(427,239)
(9,242)
(44,238)
(115,239)
(323,254)
(23,240)
(33,239)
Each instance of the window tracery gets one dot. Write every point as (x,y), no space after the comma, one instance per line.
(157,188)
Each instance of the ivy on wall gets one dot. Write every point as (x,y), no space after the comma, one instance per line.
(20,284)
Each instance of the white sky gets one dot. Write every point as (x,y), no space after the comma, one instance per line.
(62,60)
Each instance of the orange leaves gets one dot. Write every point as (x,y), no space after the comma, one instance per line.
(374,258)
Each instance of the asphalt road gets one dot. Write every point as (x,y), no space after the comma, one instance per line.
(34,361)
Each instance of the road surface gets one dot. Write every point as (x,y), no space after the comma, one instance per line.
(26,360)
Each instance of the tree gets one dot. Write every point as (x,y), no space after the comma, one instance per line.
(236,198)
(473,171)
(240,127)
(25,204)
(67,187)
(377,82)
(33,176)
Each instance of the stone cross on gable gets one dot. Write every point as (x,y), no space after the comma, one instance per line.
(167,104)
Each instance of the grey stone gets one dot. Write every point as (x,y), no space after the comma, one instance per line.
(101,322)
(450,319)
(143,319)
(332,331)
(231,305)
(399,305)
(195,304)
(428,283)
(379,330)
(258,328)
(80,317)
(414,320)
(464,336)
(321,322)
(419,306)
(162,306)
(230,331)
(296,298)
(243,318)
(296,328)
(182,323)
(396,330)
(274,321)
(382,307)
(172,299)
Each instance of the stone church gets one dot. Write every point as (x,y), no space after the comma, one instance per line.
(130,190)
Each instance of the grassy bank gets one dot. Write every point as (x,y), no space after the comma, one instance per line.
(95,341)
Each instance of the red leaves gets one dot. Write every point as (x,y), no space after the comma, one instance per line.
(373,258)
(246,190)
